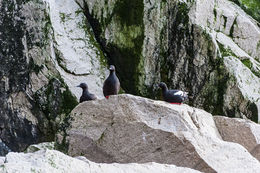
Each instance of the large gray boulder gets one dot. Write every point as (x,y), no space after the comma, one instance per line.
(128,128)
(244,132)
(45,161)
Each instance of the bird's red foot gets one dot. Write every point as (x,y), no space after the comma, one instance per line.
(107,97)
(176,103)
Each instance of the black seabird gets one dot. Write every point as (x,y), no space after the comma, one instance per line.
(111,85)
(172,96)
(86,95)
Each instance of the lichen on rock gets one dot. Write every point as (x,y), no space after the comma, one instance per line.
(37,94)
(183,43)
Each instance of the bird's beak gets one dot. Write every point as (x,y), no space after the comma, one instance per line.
(110,69)
(78,86)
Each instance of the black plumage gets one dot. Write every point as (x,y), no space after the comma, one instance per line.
(172,96)
(86,95)
(111,85)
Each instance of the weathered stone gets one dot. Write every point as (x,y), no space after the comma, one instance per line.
(127,128)
(243,91)
(251,7)
(182,43)
(56,162)
(2,160)
(41,146)
(76,54)
(42,60)
(240,131)
(3,149)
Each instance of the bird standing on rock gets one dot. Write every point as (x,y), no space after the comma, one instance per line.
(172,96)
(86,95)
(111,85)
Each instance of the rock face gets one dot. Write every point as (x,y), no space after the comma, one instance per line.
(240,131)
(190,45)
(56,162)
(127,128)
(208,48)
(46,50)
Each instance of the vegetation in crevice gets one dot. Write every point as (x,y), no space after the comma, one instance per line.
(34,67)
(225,21)
(253,111)
(249,65)
(232,28)
(125,52)
(62,144)
(226,51)
(216,89)
(251,7)
(178,14)
(56,102)
(215,13)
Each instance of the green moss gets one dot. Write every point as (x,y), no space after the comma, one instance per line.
(99,52)
(130,12)
(33,170)
(63,146)
(215,13)
(181,18)
(215,89)
(258,45)
(251,7)
(79,11)
(69,101)
(125,48)
(34,67)
(247,63)
(125,52)
(52,163)
(62,17)
(54,100)
(226,51)
(47,26)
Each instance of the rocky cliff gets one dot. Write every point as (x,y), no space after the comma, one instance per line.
(46,50)
(131,129)
(47,47)
(128,133)
(205,47)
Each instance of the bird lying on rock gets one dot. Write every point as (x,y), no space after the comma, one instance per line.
(111,85)
(86,95)
(172,96)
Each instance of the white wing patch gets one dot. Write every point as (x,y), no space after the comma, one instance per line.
(181,93)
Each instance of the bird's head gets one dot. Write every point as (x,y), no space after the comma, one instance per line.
(112,68)
(163,86)
(83,86)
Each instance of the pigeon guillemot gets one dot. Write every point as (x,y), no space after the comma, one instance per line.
(86,95)
(111,85)
(173,96)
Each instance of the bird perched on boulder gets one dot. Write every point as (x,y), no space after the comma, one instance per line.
(111,85)
(172,96)
(86,95)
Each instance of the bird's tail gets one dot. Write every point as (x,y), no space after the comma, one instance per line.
(185,95)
